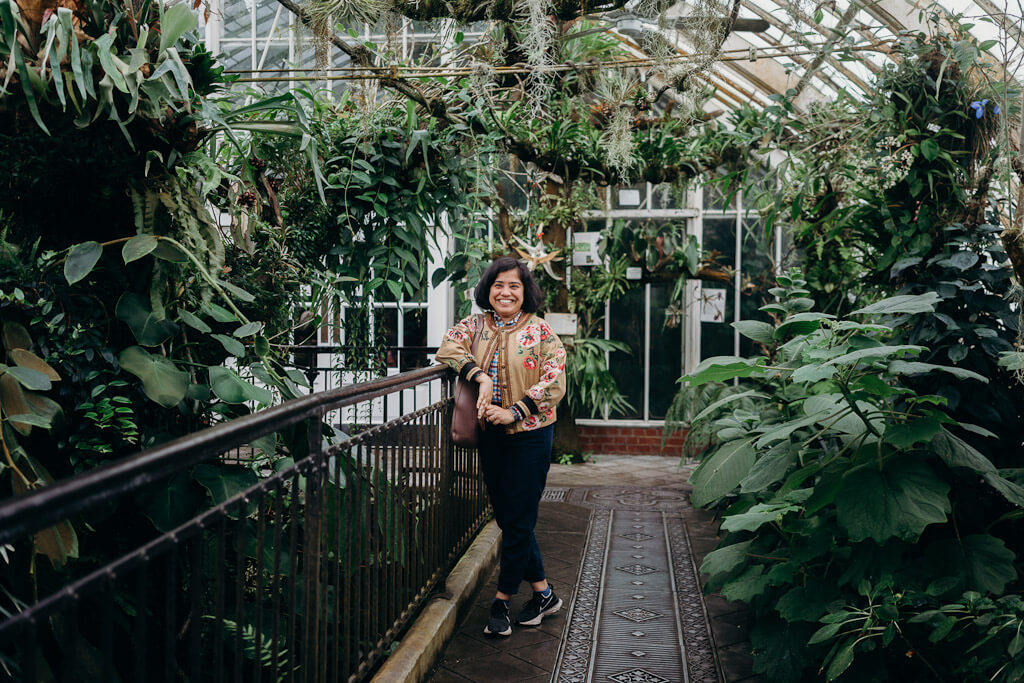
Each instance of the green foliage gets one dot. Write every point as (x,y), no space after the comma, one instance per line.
(843,485)
(591,386)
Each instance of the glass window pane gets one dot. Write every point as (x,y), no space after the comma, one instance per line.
(236,56)
(667,196)
(627,325)
(758,274)
(414,334)
(716,338)
(714,198)
(237,19)
(666,348)
(387,331)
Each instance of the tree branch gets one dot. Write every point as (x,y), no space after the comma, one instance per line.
(730,24)
(364,57)
(469,11)
(588,170)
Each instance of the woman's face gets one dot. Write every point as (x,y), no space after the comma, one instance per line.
(506,296)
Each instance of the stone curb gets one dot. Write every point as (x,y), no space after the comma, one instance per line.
(424,643)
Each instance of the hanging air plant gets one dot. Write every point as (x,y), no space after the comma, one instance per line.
(619,94)
(326,14)
(706,27)
(537,33)
(618,142)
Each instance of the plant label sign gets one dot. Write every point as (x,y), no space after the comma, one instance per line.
(629,197)
(562,324)
(584,251)
(712,305)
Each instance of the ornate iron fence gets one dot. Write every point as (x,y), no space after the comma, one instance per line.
(308,574)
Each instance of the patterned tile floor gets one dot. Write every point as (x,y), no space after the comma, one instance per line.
(620,544)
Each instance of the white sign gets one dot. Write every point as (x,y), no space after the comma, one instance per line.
(712,305)
(629,197)
(584,251)
(634,273)
(562,324)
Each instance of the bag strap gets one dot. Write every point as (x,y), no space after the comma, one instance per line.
(476,335)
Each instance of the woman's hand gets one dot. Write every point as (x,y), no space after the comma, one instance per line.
(497,415)
(486,392)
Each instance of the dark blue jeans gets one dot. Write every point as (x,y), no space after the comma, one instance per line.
(515,468)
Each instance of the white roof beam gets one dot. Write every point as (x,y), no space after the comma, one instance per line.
(833,62)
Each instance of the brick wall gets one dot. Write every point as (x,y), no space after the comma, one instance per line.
(612,440)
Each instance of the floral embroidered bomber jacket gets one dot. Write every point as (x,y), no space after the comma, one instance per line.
(531,364)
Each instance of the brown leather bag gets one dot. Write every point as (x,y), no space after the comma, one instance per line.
(466,427)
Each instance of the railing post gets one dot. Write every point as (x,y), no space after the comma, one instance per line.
(447,477)
(311,553)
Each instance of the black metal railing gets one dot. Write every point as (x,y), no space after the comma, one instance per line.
(308,574)
(329,366)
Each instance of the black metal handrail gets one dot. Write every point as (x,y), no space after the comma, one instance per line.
(25,514)
(307,574)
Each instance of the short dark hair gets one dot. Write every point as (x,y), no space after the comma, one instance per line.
(533,297)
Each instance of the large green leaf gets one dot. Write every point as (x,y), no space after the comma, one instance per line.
(842,660)
(756,330)
(15,336)
(902,367)
(140,245)
(722,471)
(956,452)
(175,22)
(807,602)
(81,260)
(1010,490)
(757,516)
(903,304)
(28,378)
(769,468)
(149,328)
(780,648)
(224,483)
(747,586)
(26,359)
(876,353)
(230,344)
(724,560)
(172,503)
(194,321)
(162,381)
(906,434)
(722,368)
(899,500)
(713,407)
(801,323)
(979,562)
(230,388)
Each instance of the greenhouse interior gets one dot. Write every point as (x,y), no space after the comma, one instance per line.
(766,256)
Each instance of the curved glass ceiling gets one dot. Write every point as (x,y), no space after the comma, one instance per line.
(818,49)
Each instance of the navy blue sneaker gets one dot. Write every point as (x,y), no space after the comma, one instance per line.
(537,608)
(498,624)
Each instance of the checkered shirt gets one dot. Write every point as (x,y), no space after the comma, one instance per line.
(493,370)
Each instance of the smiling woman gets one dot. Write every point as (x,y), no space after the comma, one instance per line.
(520,366)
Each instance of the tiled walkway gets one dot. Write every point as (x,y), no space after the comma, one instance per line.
(620,544)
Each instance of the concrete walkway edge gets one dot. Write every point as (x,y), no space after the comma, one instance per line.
(424,643)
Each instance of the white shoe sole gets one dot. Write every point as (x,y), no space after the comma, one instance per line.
(540,617)
(489,632)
